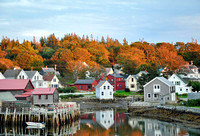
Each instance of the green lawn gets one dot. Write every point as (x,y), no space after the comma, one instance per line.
(196,107)
(181,96)
(122,93)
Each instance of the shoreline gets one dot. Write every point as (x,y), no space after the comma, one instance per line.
(188,119)
(174,115)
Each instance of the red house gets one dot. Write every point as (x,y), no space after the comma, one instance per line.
(86,84)
(117,81)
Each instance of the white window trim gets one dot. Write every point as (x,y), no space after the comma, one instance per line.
(156,90)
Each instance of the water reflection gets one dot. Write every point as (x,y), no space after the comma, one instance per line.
(31,131)
(108,123)
(112,122)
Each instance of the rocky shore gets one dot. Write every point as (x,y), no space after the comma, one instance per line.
(187,116)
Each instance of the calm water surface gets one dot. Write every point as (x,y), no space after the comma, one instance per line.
(108,123)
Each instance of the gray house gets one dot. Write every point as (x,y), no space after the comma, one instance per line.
(45,96)
(158,89)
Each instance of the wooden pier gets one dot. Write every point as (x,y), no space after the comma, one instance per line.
(63,113)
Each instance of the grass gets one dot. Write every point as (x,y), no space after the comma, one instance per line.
(196,107)
(181,96)
(122,93)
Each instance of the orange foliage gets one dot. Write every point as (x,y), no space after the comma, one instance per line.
(82,55)
(170,59)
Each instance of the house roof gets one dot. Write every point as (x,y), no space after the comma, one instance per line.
(181,78)
(43,91)
(12,73)
(48,77)
(100,83)
(1,76)
(14,84)
(30,74)
(7,96)
(162,79)
(48,70)
(116,75)
(84,81)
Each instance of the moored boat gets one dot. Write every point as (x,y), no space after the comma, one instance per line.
(36,124)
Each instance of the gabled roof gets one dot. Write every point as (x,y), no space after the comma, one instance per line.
(48,77)
(180,78)
(10,73)
(102,83)
(7,96)
(162,79)
(14,84)
(1,76)
(43,91)
(84,81)
(30,74)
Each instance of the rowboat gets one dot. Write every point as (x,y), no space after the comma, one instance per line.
(36,124)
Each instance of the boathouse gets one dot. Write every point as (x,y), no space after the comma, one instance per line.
(15,86)
(45,96)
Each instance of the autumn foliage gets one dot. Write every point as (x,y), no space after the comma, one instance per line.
(72,52)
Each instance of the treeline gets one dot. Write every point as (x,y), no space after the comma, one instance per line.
(74,55)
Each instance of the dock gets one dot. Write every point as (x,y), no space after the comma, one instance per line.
(63,113)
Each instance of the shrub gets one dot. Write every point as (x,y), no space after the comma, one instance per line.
(71,89)
(70,96)
(193,102)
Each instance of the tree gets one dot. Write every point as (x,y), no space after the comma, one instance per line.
(129,67)
(195,85)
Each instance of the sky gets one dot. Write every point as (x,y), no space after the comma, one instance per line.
(152,20)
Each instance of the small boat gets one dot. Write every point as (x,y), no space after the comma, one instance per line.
(35,124)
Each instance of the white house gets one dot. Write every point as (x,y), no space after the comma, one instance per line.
(37,79)
(52,81)
(1,76)
(180,84)
(15,74)
(105,118)
(131,82)
(104,90)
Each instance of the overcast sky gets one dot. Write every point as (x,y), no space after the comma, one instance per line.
(153,20)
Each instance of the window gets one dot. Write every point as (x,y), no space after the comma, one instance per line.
(104,87)
(46,96)
(39,97)
(54,80)
(177,83)
(109,121)
(105,122)
(108,87)
(186,90)
(35,77)
(155,95)
(156,88)
(148,95)
(80,86)
(52,85)
(132,86)
(22,77)
(167,98)
(40,84)
(102,93)
(120,85)
(180,89)
(111,79)
(110,93)
(132,79)
(111,115)
(102,115)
